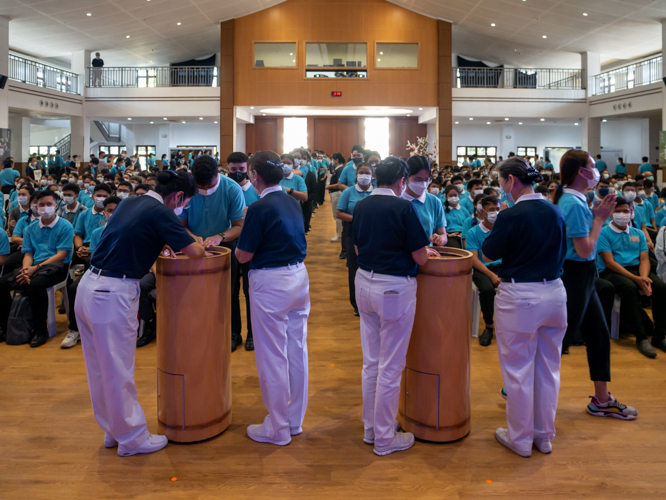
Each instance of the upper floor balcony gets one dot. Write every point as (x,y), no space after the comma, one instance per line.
(518,78)
(155,76)
(629,77)
(42,75)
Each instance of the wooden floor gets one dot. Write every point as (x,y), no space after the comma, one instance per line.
(51,447)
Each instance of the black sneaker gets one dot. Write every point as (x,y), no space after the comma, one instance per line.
(660,344)
(148,336)
(249,344)
(486,337)
(645,348)
(3,336)
(356,312)
(236,340)
(343,255)
(565,349)
(39,339)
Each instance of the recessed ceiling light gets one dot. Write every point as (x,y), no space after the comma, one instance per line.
(604,121)
(251,107)
(88,14)
(492,24)
(543,119)
(575,123)
(291,53)
(178,24)
(263,114)
(487,123)
(127,36)
(200,118)
(214,122)
(471,119)
(520,123)
(293,60)
(152,123)
(585,14)
(163,118)
(381,53)
(544,36)
(506,119)
(378,60)
(182,122)
(129,119)
(457,123)
(420,109)
(409,115)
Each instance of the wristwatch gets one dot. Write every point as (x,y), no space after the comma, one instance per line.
(291,190)
(224,236)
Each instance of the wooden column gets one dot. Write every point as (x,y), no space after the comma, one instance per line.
(445,108)
(226,79)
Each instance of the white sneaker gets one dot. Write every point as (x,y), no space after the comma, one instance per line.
(109,442)
(335,239)
(543,445)
(369,436)
(401,441)
(152,444)
(257,433)
(70,340)
(502,436)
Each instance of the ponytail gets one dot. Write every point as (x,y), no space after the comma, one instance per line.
(169,182)
(559,191)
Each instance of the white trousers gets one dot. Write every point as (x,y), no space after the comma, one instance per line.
(280,306)
(530,321)
(106,312)
(334,205)
(386,305)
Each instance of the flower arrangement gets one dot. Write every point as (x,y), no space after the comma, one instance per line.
(420,148)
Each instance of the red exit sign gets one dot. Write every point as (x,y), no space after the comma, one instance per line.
(336,93)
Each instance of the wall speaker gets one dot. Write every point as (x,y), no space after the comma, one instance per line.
(3,81)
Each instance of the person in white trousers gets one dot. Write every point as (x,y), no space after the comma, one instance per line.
(273,242)
(107,304)
(530,307)
(390,242)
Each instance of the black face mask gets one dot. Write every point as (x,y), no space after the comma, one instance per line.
(357,160)
(238,176)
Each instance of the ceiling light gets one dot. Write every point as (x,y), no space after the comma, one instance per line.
(420,109)
(471,119)
(214,122)
(182,122)
(544,36)
(585,14)
(492,24)
(575,123)
(163,118)
(409,115)
(263,114)
(381,53)
(291,53)
(604,121)
(378,60)
(88,14)
(200,118)
(487,123)
(127,36)
(152,123)
(129,119)
(178,24)
(520,123)
(543,119)
(307,111)
(251,107)
(294,60)
(457,123)
(506,119)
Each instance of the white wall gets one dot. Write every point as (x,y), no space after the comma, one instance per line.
(627,135)
(41,135)
(178,134)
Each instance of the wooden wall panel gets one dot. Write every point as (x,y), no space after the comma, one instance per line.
(445,108)
(407,129)
(337,135)
(350,134)
(263,135)
(227,96)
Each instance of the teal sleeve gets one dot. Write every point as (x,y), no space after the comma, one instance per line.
(576,219)
(80,228)
(604,243)
(343,201)
(237,203)
(65,237)
(643,244)
(300,184)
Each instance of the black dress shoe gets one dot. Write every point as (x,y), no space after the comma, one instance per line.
(486,337)
(3,336)
(249,344)
(236,340)
(61,309)
(148,336)
(356,312)
(343,255)
(565,349)
(39,339)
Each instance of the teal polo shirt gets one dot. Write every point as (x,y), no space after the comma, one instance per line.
(474,242)
(660,217)
(350,197)
(348,175)
(455,219)
(4,245)
(466,203)
(430,212)
(88,221)
(294,182)
(645,167)
(626,246)
(645,211)
(43,242)
(94,240)
(210,215)
(22,224)
(578,219)
(469,223)
(249,193)
(620,169)
(601,165)
(8,176)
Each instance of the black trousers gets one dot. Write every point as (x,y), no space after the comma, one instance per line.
(346,228)
(71,297)
(39,299)
(307,212)
(606,293)
(454,242)
(146,310)
(352,267)
(584,311)
(486,293)
(322,191)
(14,261)
(244,269)
(631,312)
(236,324)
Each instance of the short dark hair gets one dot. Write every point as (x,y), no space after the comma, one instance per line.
(71,186)
(645,159)
(457,178)
(417,163)
(27,187)
(619,201)
(284,155)
(94,161)
(102,187)
(204,170)
(339,158)
(266,165)
(390,170)
(474,182)
(237,157)
(357,147)
(45,193)
(126,184)
(145,187)
(112,199)
(490,200)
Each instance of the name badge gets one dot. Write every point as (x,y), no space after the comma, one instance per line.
(634,239)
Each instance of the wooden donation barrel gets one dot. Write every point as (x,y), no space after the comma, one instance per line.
(435,387)
(194,346)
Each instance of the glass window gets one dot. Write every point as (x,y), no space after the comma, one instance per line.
(397,55)
(274,55)
(336,55)
(34,150)
(377,135)
(526,151)
(114,150)
(461,151)
(142,153)
(464,153)
(295,133)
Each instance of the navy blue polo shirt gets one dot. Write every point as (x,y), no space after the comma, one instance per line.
(530,238)
(273,231)
(387,229)
(136,234)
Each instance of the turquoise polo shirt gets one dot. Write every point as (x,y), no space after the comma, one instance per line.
(430,212)
(43,242)
(660,217)
(626,246)
(466,203)
(601,165)
(654,200)
(348,175)
(578,219)
(210,215)
(4,245)
(294,182)
(94,239)
(8,176)
(645,167)
(249,193)
(646,212)
(620,169)
(469,223)
(88,221)
(474,242)
(455,219)
(22,224)
(350,197)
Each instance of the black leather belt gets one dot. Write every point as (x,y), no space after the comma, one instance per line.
(107,274)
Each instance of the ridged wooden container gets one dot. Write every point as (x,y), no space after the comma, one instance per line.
(435,389)
(194,346)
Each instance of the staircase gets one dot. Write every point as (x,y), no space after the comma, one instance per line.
(64,145)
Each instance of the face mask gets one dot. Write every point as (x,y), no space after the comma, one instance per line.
(418,187)
(286,169)
(99,202)
(79,183)
(606,176)
(459,187)
(22,200)
(49,183)
(72,179)
(453,200)
(357,160)
(43,182)
(122,195)
(238,176)
(629,196)
(642,195)
(479,207)
(592,183)
(364,179)
(178,210)
(46,212)
(477,192)
(492,217)
(621,219)
(507,196)
(90,188)
(68,200)
(434,191)
(100,179)
(33,209)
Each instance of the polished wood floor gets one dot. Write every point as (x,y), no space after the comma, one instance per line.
(51,447)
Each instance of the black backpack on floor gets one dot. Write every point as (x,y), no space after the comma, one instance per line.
(20,327)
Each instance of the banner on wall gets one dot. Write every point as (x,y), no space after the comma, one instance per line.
(5,143)
(662,149)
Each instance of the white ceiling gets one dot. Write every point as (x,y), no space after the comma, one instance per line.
(618,29)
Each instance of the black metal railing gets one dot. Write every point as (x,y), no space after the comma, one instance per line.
(518,78)
(628,77)
(157,76)
(42,75)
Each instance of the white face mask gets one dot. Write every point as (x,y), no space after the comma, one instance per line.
(178,210)
(606,176)
(592,183)
(79,183)
(33,209)
(46,212)
(459,187)
(22,200)
(122,195)
(418,187)
(43,182)
(642,195)
(49,183)
(99,201)
(286,169)
(453,200)
(72,179)
(621,219)
(629,196)
(68,200)
(492,217)
(434,191)
(364,179)
(477,192)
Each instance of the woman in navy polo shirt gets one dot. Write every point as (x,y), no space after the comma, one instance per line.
(530,307)
(584,310)
(107,305)
(390,243)
(345,212)
(273,242)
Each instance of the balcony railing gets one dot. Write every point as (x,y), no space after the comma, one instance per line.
(157,76)
(518,78)
(628,77)
(34,73)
